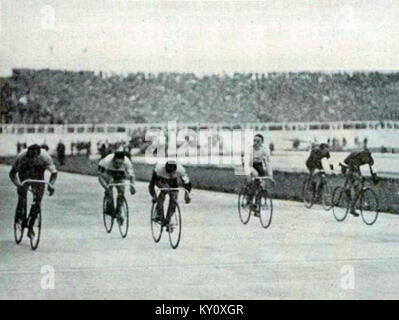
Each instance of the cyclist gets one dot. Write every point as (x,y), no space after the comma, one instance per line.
(167,175)
(353,162)
(115,168)
(31,163)
(259,157)
(314,161)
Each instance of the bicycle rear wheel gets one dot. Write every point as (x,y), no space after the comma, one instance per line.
(175,226)
(265,206)
(340,203)
(156,226)
(19,227)
(37,226)
(244,210)
(308,194)
(326,196)
(123,224)
(107,218)
(369,206)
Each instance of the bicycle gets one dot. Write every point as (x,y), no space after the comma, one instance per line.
(110,214)
(174,226)
(21,224)
(261,205)
(365,199)
(310,192)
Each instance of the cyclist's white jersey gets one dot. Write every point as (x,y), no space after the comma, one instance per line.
(160,170)
(107,166)
(259,155)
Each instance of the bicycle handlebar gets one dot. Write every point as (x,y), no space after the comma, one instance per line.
(119,184)
(174,189)
(265,178)
(35,181)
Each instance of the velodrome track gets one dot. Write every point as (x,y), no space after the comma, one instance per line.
(305,254)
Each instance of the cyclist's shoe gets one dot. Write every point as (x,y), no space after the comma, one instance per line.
(157,219)
(354,213)
(256,214)
(169,228)
(247,201)
(21,221)
(31,233)
(253,207)
(120,219)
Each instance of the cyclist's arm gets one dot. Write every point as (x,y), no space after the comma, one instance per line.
(268,165)
(53,178)
(186,182)
(151,186)
(14,177)
(102,177)
(182,174)
(130,172)
(53,170)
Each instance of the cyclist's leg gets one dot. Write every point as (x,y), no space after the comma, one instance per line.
(38,191)
(252,183)
(352,181)
(119,199)
(161,200)
(173,199)
(108,195)
(310,181)
(21,205)
(357,188)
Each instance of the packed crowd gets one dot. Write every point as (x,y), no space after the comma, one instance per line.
(52,96)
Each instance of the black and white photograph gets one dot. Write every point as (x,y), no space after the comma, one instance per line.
(199,151)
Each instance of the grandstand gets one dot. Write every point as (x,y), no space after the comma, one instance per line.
(56,96)
(292,110)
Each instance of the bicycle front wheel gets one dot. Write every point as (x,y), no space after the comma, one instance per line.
(37,226)
(107,217)
(156,226)
(308,193)
(123,222)
(175,228)
(265,206)
(244,210)
(369,206)
(19,227)
(326,196)
(340,202)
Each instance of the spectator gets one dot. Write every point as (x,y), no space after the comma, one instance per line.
(61,152)
(45,146)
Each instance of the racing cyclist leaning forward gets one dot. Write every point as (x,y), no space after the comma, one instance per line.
(260,166)
(115,168)
(31,163)
(168,175)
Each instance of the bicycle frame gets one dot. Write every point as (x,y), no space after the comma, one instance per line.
(174,189)
(120,184)
(260,179)
(34,181)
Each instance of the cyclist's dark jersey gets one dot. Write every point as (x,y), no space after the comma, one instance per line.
(28,168)
(315,157)
(258,166)
(160,175)
(358,158)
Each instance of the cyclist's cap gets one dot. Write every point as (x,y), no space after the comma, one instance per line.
(33,150)
(171,166)
(324,145)
(119,155)
(259,136)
